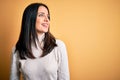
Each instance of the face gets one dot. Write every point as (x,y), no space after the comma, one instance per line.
(42,20)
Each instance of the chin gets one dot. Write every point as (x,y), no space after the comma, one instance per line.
(45,31)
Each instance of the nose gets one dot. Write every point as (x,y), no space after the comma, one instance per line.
(46,19)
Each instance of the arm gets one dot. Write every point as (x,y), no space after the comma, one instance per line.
(15,74)
(63,69)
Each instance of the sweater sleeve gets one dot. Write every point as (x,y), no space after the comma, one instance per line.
(14,73)
(63,69)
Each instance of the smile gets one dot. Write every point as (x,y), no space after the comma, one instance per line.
(44,24)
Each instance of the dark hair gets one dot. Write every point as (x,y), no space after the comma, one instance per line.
(28,33)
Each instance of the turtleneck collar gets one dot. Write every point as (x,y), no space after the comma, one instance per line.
(41,37)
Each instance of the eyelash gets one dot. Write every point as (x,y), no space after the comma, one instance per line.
(42,15)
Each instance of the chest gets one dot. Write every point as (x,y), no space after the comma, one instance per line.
(41,66)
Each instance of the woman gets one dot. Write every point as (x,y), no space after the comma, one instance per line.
(37,54)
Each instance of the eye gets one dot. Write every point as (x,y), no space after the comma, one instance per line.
(40,15)
(43,15)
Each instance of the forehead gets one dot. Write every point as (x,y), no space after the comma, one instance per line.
(42,9)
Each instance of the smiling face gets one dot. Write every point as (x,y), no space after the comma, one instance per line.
(42,20)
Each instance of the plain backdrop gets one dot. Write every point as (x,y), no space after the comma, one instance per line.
(89,28)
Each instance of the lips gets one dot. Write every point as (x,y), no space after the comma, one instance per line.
(44,24)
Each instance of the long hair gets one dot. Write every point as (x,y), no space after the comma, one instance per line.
(28,33)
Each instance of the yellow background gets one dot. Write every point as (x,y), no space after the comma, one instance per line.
(89,28)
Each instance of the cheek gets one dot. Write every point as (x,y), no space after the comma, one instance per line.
(38,23)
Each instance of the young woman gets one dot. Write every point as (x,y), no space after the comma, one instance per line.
(37,54)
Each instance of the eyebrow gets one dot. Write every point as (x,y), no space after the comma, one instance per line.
(42,13)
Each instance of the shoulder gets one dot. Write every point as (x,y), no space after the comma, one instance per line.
(60,43)
(13,49)
(14,53)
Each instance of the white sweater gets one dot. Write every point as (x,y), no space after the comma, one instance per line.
(53,66)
